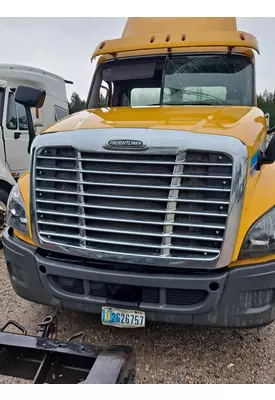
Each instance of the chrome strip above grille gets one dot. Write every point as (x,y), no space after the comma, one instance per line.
(171,207)
(113,188)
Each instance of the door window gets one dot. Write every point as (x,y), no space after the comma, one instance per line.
(2,98)
(60,113)
(22,117)
(16,115)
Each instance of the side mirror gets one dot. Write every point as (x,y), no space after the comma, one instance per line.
(30,97)
(268,157)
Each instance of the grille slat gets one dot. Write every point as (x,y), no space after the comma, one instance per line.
(184,297)
(143,210)
(133,186)
(125,197)
(161,205)
(70,285)
(131,221)
(138,161)
(131,232)
(91,239)
(87,171)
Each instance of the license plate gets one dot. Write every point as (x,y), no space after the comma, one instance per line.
(122,318)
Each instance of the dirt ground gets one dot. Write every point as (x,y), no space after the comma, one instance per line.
(165,353)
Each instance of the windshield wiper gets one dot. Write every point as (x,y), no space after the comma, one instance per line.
(211,96)
(194,103)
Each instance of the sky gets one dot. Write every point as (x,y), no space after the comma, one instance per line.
(64,46)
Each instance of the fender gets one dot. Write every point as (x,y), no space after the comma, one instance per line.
(259,198)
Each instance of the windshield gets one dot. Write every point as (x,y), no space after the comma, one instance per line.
(183,80)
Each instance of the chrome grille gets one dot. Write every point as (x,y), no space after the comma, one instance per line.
(162,205)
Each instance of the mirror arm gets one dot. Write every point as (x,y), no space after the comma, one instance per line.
(268,156)
(271,130)
(30,127)
(263,159)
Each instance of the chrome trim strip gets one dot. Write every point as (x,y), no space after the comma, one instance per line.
(111,196)
(117,242)
(135,186)
(168,211)
(87,171)
(171,207)
(167,142)
(129,232)
(161,260)
(81,210)
(137,162)
(133,221)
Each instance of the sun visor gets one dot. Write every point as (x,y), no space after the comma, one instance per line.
(129,71)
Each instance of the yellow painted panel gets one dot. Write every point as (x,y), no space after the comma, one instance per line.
(191,39)
(245,123)
(139,26)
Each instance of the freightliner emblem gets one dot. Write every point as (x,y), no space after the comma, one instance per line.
(127,144)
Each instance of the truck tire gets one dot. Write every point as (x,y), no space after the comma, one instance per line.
(3,205)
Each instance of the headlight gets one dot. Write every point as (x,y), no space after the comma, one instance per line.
(260,239)
(16,212)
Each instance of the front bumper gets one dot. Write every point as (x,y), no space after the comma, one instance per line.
(240,297)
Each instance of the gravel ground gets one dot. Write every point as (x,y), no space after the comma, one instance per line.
(165,353)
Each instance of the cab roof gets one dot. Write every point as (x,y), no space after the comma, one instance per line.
(16,74)
(143,34)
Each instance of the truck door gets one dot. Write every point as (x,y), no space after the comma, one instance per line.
(16,137)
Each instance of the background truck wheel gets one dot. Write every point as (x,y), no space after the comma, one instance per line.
(3,208)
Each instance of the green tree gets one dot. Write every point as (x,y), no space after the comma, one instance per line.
(266,102)
(76,104)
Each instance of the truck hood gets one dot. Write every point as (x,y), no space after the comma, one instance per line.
(246,123)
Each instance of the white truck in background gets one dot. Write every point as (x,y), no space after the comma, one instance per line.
(14,138)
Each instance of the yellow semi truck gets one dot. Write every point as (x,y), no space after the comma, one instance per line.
(157,201)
